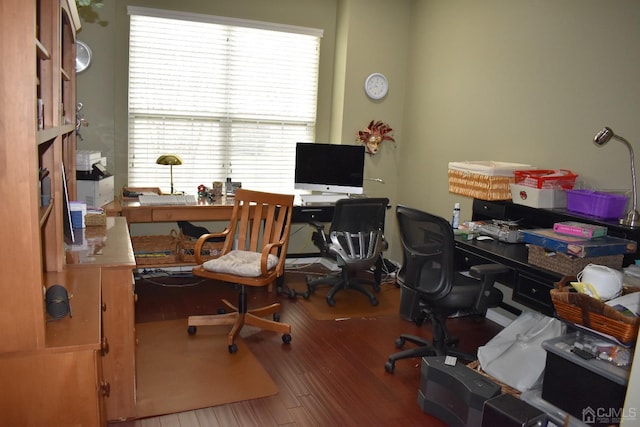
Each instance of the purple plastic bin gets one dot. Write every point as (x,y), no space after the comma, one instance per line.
(596,203)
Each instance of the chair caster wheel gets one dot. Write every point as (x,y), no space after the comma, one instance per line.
(191,330)
(276,317)
(374,302)
(331,302)
(306,295)
(400,342)
(233,348)
(286,338)
(389,367)
(222,311)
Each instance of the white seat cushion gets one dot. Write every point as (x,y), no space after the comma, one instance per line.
(241,263)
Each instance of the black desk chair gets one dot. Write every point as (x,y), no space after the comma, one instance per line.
(431,289)
(356,241)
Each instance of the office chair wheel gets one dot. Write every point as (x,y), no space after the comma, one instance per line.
(276,317)
(233,348)
(331,301)
(374,301)
(400,342)
(389,366)
(222,311)
(191,330)
(286,338)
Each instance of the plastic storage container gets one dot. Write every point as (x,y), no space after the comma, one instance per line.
(545,178)
(596,203)
(601,385)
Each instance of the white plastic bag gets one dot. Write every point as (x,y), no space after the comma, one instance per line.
(515,356)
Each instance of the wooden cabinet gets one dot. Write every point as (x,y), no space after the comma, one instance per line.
(109,249)
(62,383)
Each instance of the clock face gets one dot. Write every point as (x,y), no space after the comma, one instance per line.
(376,86)
(83,56)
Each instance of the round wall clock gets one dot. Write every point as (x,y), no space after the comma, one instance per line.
(83,56)
(376,86)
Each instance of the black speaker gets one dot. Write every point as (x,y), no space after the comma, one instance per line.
(454,394)
(509,411)
(57,301)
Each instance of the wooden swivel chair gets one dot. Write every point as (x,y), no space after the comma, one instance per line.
(431,288)
(356,242)
(253,254)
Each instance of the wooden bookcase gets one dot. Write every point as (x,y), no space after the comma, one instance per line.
(51,371)
(38,51)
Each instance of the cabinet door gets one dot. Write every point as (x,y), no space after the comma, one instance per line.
(119,330)
(51,389)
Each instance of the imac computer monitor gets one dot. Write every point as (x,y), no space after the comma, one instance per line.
(329,168)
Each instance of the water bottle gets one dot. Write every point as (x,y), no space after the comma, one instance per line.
(455,221)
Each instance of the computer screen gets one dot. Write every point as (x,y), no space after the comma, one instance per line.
(330,168)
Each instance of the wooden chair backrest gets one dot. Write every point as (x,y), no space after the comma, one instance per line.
(258,220)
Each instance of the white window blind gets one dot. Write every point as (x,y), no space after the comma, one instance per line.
(230,97)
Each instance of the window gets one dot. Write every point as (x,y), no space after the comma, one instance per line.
(230,97)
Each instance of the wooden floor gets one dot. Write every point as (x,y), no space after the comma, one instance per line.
(332,373)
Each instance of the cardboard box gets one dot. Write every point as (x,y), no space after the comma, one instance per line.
(574,228)
(538,197)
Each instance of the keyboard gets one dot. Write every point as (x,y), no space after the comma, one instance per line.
(321,199)
(168,199)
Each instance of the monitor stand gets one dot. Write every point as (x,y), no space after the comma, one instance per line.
(322,199)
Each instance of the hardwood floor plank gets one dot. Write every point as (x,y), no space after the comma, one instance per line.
(225,415)
(206,418)
(302,418)
(247,417)
(275,407)
(188,419)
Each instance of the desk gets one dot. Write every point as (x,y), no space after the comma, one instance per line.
(531,284)
(217,210)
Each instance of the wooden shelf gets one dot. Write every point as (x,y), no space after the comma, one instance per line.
(46,135)
(42,51)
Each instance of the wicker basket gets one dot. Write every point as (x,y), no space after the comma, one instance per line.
(153,250)
(506,388)
(210,249)
(569,265)
(485,180)
(95,220)
(586,311)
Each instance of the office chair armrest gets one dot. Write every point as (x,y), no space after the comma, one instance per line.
(487,273)
(317,224)
(268,249)
(197,248)
(482,270)
(319,237)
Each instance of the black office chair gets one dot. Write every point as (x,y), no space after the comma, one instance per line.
(431,289)
(356,241)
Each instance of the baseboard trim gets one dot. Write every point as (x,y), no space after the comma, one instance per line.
(500,316)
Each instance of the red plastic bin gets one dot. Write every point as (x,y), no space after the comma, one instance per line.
(546,178)
(596,203)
